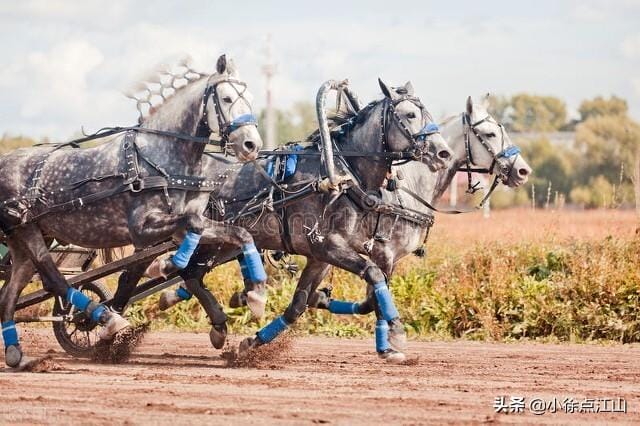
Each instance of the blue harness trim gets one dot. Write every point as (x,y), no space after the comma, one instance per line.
(427,130)
(290,163)
(272,330)
(344,308)
(254,268)
(242,120)
(10,334)
(382,335)
(183,293)
(385,301)
(509,152)
(186,249)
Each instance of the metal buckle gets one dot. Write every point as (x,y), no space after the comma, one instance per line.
(136,186)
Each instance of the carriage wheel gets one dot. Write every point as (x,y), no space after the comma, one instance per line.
(79,335)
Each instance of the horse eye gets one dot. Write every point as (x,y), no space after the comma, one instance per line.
(490,135)
(227,99)
(411,115)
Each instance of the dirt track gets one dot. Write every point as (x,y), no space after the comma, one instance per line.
(177,378)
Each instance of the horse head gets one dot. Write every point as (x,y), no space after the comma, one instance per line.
(227,111)
(488,146)
(409,127)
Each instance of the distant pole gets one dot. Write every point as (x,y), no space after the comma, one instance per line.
(453,191)
(269,70)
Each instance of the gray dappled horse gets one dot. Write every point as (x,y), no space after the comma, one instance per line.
(330,228)
(476,140)
(140,188)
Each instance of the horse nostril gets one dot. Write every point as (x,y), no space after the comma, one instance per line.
(250,146)
(523,172)
(445,155)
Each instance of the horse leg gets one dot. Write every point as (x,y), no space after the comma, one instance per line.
(254,294)
(312,275)
(53,281)
(218,333)
(22,271)
(127,283)
(205,231)
(339,254)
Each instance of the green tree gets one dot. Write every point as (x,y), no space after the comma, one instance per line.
(295,123)
(536,113)
(600,106)
(607,144)
(551,164)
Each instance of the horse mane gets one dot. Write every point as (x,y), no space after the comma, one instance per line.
(449,119)
(160,86)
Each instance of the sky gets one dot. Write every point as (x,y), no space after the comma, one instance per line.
(64,64)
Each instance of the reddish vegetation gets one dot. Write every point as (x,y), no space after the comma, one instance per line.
(515,225)
(179,379)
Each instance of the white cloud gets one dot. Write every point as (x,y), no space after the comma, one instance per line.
(65,63)
(630,47)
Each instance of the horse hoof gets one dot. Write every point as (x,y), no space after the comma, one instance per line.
(397,336)
(114,324)
(247,344)
(168,299)
(392,356)
(238,300)
(256,301)
(320,299)
(13,356)
(156,269)
(218,336)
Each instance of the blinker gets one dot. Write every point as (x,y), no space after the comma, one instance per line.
(509,152)
(427,130)
(242,120)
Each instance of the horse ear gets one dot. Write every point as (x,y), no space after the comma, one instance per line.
(409,88)
(231,68)
(486,101)
(469,106)
(221,65)
(385,89)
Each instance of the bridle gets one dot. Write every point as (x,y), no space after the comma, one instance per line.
(226,126)
(500,159)
(418,141)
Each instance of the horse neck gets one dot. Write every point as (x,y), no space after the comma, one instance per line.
(181,113)
(367,139)
(453,133)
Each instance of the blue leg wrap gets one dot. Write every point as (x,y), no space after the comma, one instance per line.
(82,301)
(244,269)
(342,307)
(9,334)
(186,249)
(254,268)
(78,299)
(385,301)
(183,293)
(382,335)
(272,330)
